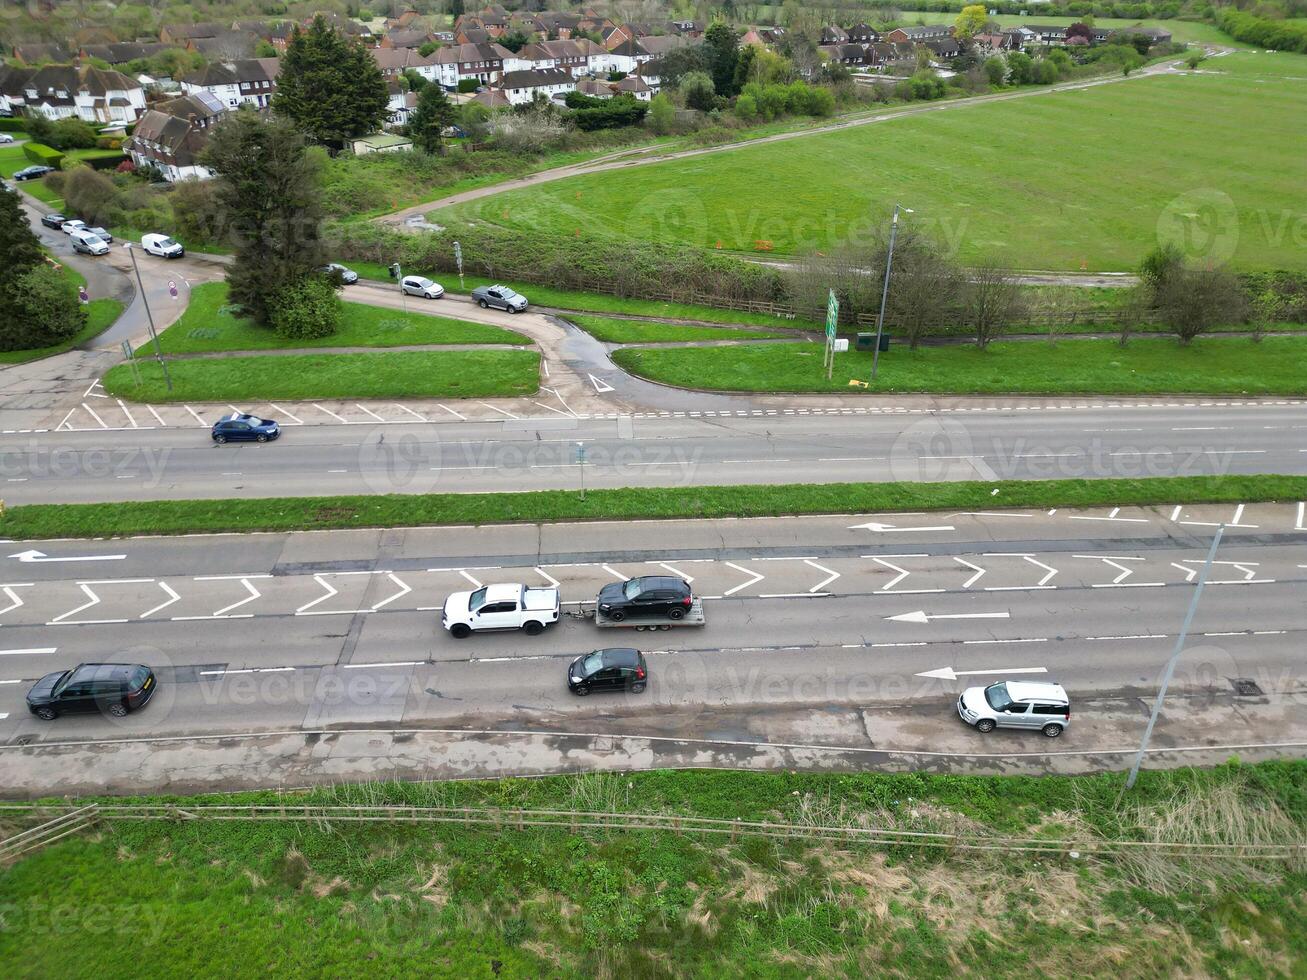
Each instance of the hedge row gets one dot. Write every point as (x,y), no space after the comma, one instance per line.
(45,155)
(1274,34)
(13,125)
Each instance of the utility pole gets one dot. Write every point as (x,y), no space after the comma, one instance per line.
(1175,656)
(884,292)
(158,352)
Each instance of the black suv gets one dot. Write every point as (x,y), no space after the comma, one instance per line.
(648,595)
(110,688)
(619,669)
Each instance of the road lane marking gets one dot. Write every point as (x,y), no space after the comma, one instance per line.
(499,410)
(329,412)
(470,578)
(405,589)
(949,674)
(14,599)
(392,663)
(832,575)
(28,650)
(757,577)
(405,408)
(369,411)
(1036,639)
(453,413)
(126,412)
(331,591)
(976,568)
(196,416)
(285,412)
(163,605)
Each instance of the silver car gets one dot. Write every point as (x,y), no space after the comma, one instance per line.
(1036,706)
(500,297)
(418,286)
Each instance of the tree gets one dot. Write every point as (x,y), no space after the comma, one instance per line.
(1046,72)
(433,115)
(38,308)
(270,185)
(264,49)
(416,80)
(514,40)
(330,87)
(991,301)
(744,68)
(970,22)
(72,134)
(1080,29)
(698,91)
(1141,42)
(1020,68)
(723,48)
(306,309)
(428,48)
(662,114)
(20,249)
(995,70)
(1191,300)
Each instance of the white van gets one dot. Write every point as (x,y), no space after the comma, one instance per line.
(88,242)
(162,246)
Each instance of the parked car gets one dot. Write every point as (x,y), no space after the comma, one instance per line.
(1033,705)
(5,138)
(647,595)
(72,225)
(347,276)
(418,286)
(162,246)
(55,220)
(500,607)
(101,233)
(618,669)
(31,173)
(113,689)
(244,428)
(500,297)
(88,243)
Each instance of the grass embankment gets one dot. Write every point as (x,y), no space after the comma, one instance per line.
(32,521)
(615,331)
(201,898)
(210,325)
(1101,205)
(395,374)
(1224,366)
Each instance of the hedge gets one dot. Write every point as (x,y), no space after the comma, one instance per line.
(45,155)
(13,125)
(1274,34)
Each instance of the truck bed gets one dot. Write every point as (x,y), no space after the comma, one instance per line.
(694,617)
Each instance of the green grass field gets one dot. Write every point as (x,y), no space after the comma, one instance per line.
(616,331)
(203,898)
(208,325)
(1229,366)
(1060,180)
(393,374)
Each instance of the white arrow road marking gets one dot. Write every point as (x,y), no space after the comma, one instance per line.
(949,674)
(331,591)
(38,556)
(757,577)
(600,386)
(172,597)
(404,589)
(1249,569)
(92,600)
(1126,571)
(881,528)
(1043,582)
(976,568)
(832,575)
(1110,517)
(254,594)
(676,571)
(14,600)
(553,582)
(920,616)
(902,574)
(13,653)
(470,578)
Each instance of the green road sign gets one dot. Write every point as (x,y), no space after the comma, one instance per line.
(832,313)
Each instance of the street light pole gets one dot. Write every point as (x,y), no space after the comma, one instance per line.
(884,291)
(149,317)
(1175,656)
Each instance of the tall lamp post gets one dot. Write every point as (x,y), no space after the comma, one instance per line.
(149,317)
(884,292)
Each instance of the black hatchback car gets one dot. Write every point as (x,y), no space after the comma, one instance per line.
(618,669)
(31,173)
(54,220)
(235,428)
(647,595)
(113,689)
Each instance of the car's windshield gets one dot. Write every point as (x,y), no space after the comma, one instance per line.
(92,240)
(997,696)
(139,674)
(632,588)
(477,600)
(167,243)
(592,663)
(62,682)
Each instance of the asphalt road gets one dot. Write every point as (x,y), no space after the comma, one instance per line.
(336,629)
(415,454)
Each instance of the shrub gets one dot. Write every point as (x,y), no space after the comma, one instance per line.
(698,91)
(662,114)
(72,134)
(45,155)
(90,194)
(44,310)
(468,84)
(531,132)
(305,310)
(623,110)
(13,125)
(925,84)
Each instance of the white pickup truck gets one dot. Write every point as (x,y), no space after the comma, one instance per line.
(500,607)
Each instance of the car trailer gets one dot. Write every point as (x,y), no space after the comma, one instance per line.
(693,617)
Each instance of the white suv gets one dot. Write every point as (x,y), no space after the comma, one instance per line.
(1016,704)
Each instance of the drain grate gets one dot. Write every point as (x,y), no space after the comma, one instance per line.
(1246,686)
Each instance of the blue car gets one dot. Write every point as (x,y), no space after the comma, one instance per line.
(234,428)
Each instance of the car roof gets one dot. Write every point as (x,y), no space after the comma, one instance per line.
(1036,691)
(84,672)
(660,582)
(620,656)
(503,593)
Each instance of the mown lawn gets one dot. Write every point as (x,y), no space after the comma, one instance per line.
(209,325)
(300,899)
(616,331)
(38,521)
(1213,160)
(394,374)
(1227,366)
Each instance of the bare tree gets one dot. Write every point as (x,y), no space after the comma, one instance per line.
(1192,301)
(925,287)
(992,301)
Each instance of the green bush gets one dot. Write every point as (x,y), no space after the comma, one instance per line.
(13,125)
(43,310)
(45,155)
(306,310)
(468,84)
(72,134)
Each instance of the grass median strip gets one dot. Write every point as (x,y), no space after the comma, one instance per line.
(34,521)
(616,331)
(392,374)
(1210,365)
(210,325)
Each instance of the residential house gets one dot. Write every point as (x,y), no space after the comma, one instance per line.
(688,28)
(404,39)
(227,46)
(97,95)
(171,136)
(403,21)
(990,41)
(853,55)
(772,35)
(493,98)
(594,88)
(1046,34)
(178,34)
(751,38)
(473,35)
(833,34)
(521,86)
(234,83)
(863,34)
(1155,35)
(276,33)
(637,86)
(380,143)
(919,35)
(484,63)
(580,57)
(401,104)
(394,62)
(40,54)
(943,48)
(618,35)
(121,52)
